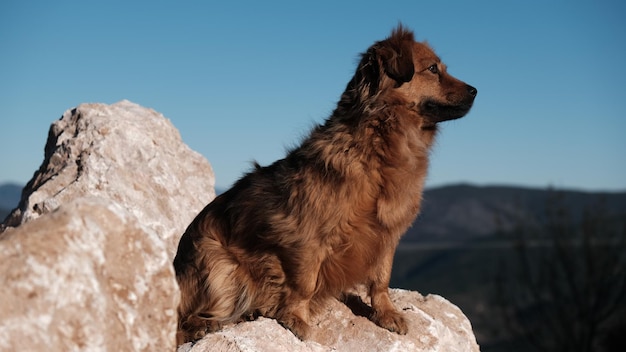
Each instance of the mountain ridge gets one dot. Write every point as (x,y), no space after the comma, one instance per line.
(464,211)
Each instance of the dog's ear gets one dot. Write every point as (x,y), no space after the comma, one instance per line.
(396,55)
(392,57)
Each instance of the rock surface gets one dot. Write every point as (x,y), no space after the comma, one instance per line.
(87,277)
(434,325)
(85,259)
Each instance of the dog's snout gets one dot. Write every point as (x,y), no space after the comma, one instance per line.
(471,90)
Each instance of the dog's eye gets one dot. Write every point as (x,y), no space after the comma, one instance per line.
(433,68)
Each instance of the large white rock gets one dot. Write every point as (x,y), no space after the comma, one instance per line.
(88,266)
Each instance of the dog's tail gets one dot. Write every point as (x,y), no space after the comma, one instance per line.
(215,287)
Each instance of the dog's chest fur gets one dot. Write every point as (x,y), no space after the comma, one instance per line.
(371,190)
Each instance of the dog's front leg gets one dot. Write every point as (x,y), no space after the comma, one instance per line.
(385,313)
(295,317)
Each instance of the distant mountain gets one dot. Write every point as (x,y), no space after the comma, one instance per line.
(10,194)
(465,212)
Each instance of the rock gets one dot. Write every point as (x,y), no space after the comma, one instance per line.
(86,277)
(434,325)
(126,153)
(86,258)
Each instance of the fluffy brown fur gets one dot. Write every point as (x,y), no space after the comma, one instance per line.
(289,236)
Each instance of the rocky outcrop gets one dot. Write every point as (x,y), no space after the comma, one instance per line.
(88,265)
(85,260)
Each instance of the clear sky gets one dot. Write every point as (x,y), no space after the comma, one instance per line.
(242,81)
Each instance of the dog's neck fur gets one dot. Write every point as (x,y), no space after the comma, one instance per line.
(373,137)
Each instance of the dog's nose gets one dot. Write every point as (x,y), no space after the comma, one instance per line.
(471,90)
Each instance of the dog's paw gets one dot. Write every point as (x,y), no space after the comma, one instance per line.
(297,326)
(192,329)
(392,321)
(196,327)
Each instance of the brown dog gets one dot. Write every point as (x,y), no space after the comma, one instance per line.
(289,236)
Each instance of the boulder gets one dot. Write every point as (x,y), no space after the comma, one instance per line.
(85,259)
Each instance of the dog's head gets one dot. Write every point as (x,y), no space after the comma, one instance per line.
(412,74)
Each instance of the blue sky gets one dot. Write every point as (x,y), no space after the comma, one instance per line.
(243,80)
